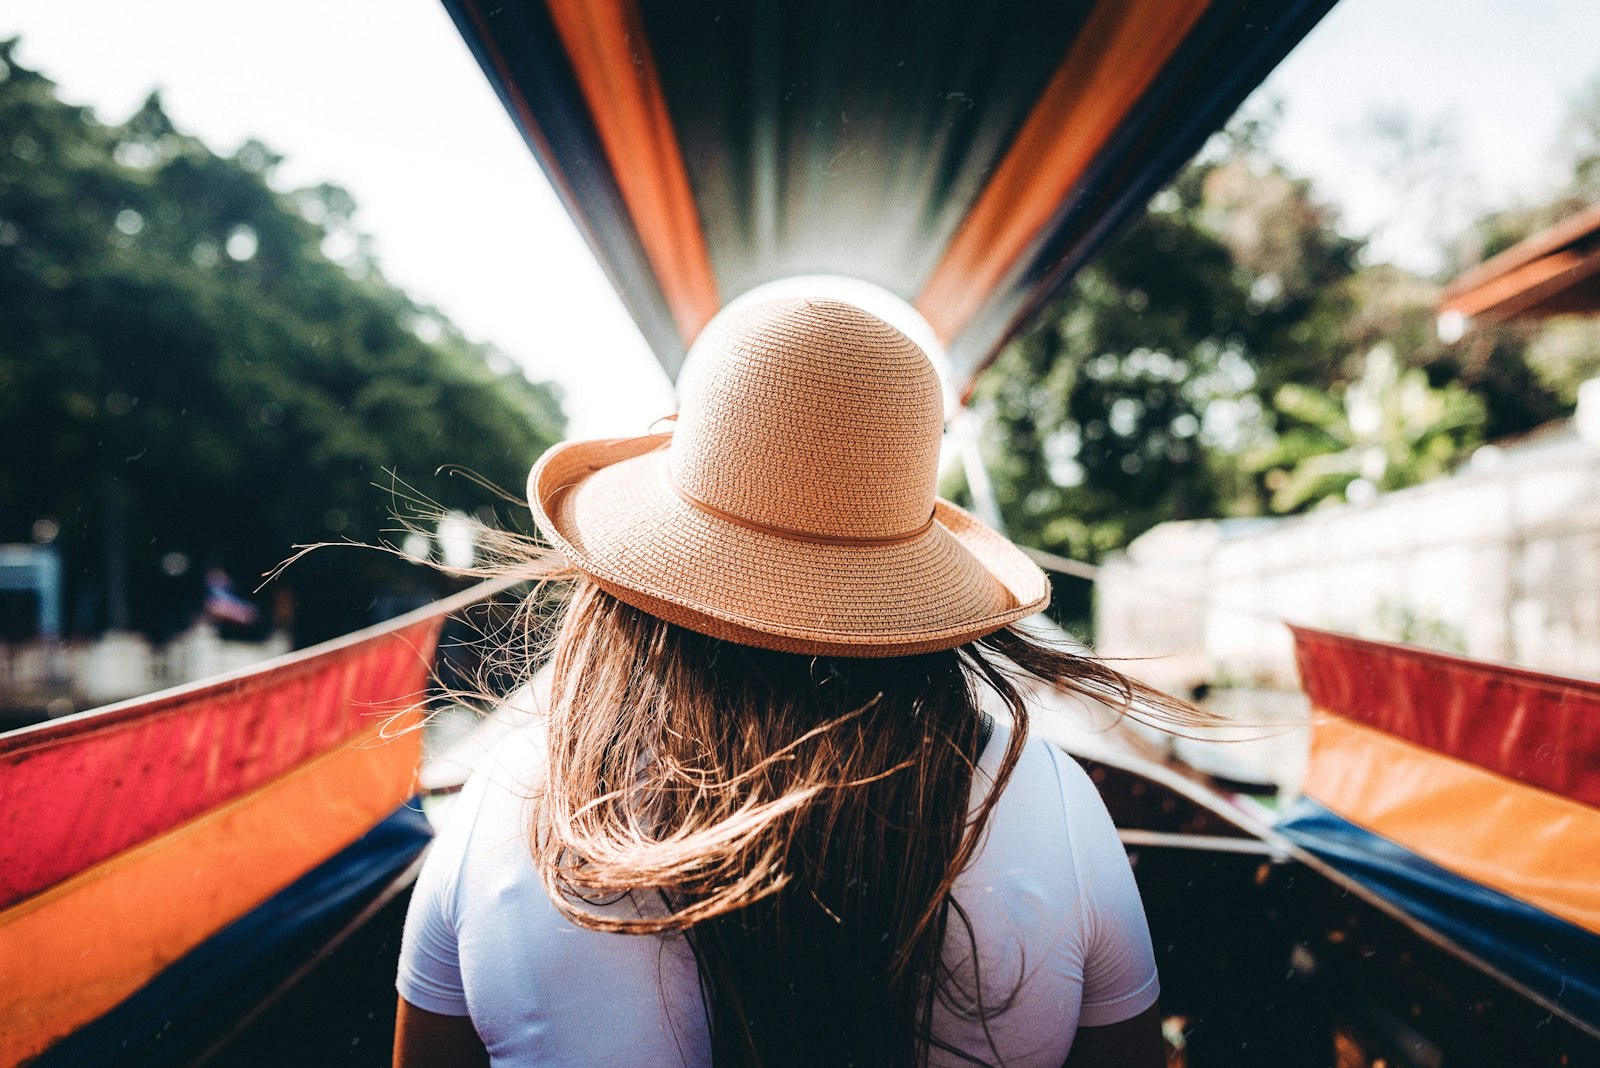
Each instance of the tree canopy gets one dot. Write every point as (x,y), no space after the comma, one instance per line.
(1122,407)
(201,370)
(1233,352)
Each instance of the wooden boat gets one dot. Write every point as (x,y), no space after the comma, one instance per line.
(169,861)
(1430,899)
(217,874)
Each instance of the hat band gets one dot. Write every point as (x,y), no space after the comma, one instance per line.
(789,532)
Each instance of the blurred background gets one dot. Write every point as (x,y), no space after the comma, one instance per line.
(265,272)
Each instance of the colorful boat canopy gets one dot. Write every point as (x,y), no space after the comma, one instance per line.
(1487,775)
(1554,272)
(966,157)
(1548,958)
(135,834)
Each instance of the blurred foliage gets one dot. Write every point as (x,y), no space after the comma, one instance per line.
(1232,352)
(1389,429)
(196,363)
(1564,354)
(1580,140)
(1129,402)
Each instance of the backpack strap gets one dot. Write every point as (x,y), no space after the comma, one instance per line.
(985,732)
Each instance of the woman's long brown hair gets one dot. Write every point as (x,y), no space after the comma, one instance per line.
(799,819)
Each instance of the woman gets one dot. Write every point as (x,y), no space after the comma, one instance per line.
(767,819)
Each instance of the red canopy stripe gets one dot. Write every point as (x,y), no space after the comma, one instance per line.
(1534,728)
(75,792)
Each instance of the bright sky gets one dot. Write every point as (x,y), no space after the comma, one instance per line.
(1500,72)
(382,97)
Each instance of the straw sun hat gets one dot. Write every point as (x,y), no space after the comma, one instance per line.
(794,505)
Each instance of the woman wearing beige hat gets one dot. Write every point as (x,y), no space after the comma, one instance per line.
(766,820)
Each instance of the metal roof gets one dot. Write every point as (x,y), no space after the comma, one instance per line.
(1554,272)
(967,157)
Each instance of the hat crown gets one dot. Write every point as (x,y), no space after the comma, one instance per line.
(811,416)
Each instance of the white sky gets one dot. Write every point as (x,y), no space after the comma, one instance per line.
(1501,72)
(382,97)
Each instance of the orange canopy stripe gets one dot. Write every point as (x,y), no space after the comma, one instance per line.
(1525,287)
(1529,843)
(1121,49)
(610,55)
(72,953)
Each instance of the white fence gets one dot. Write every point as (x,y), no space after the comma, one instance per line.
(1500,562)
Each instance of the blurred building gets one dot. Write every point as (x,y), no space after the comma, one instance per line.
(1501,561)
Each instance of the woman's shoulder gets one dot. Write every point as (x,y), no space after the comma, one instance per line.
(1046,780)
(505,761)
(1049,827)
(493,803)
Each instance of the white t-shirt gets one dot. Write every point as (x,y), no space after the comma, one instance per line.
(1049,891)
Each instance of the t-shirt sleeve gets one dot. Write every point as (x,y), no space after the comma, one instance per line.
(430,967)
(1119,967)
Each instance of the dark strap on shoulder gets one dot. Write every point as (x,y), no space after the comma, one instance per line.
(985,732)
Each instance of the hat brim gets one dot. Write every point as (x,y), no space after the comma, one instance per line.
(611,509)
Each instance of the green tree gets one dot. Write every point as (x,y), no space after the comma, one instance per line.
(213,368)
(1580,143)
(1128,403)
(1390,429)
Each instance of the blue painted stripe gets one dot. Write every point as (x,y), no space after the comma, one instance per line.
(179,1014)
(1554,958)
(568,149)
